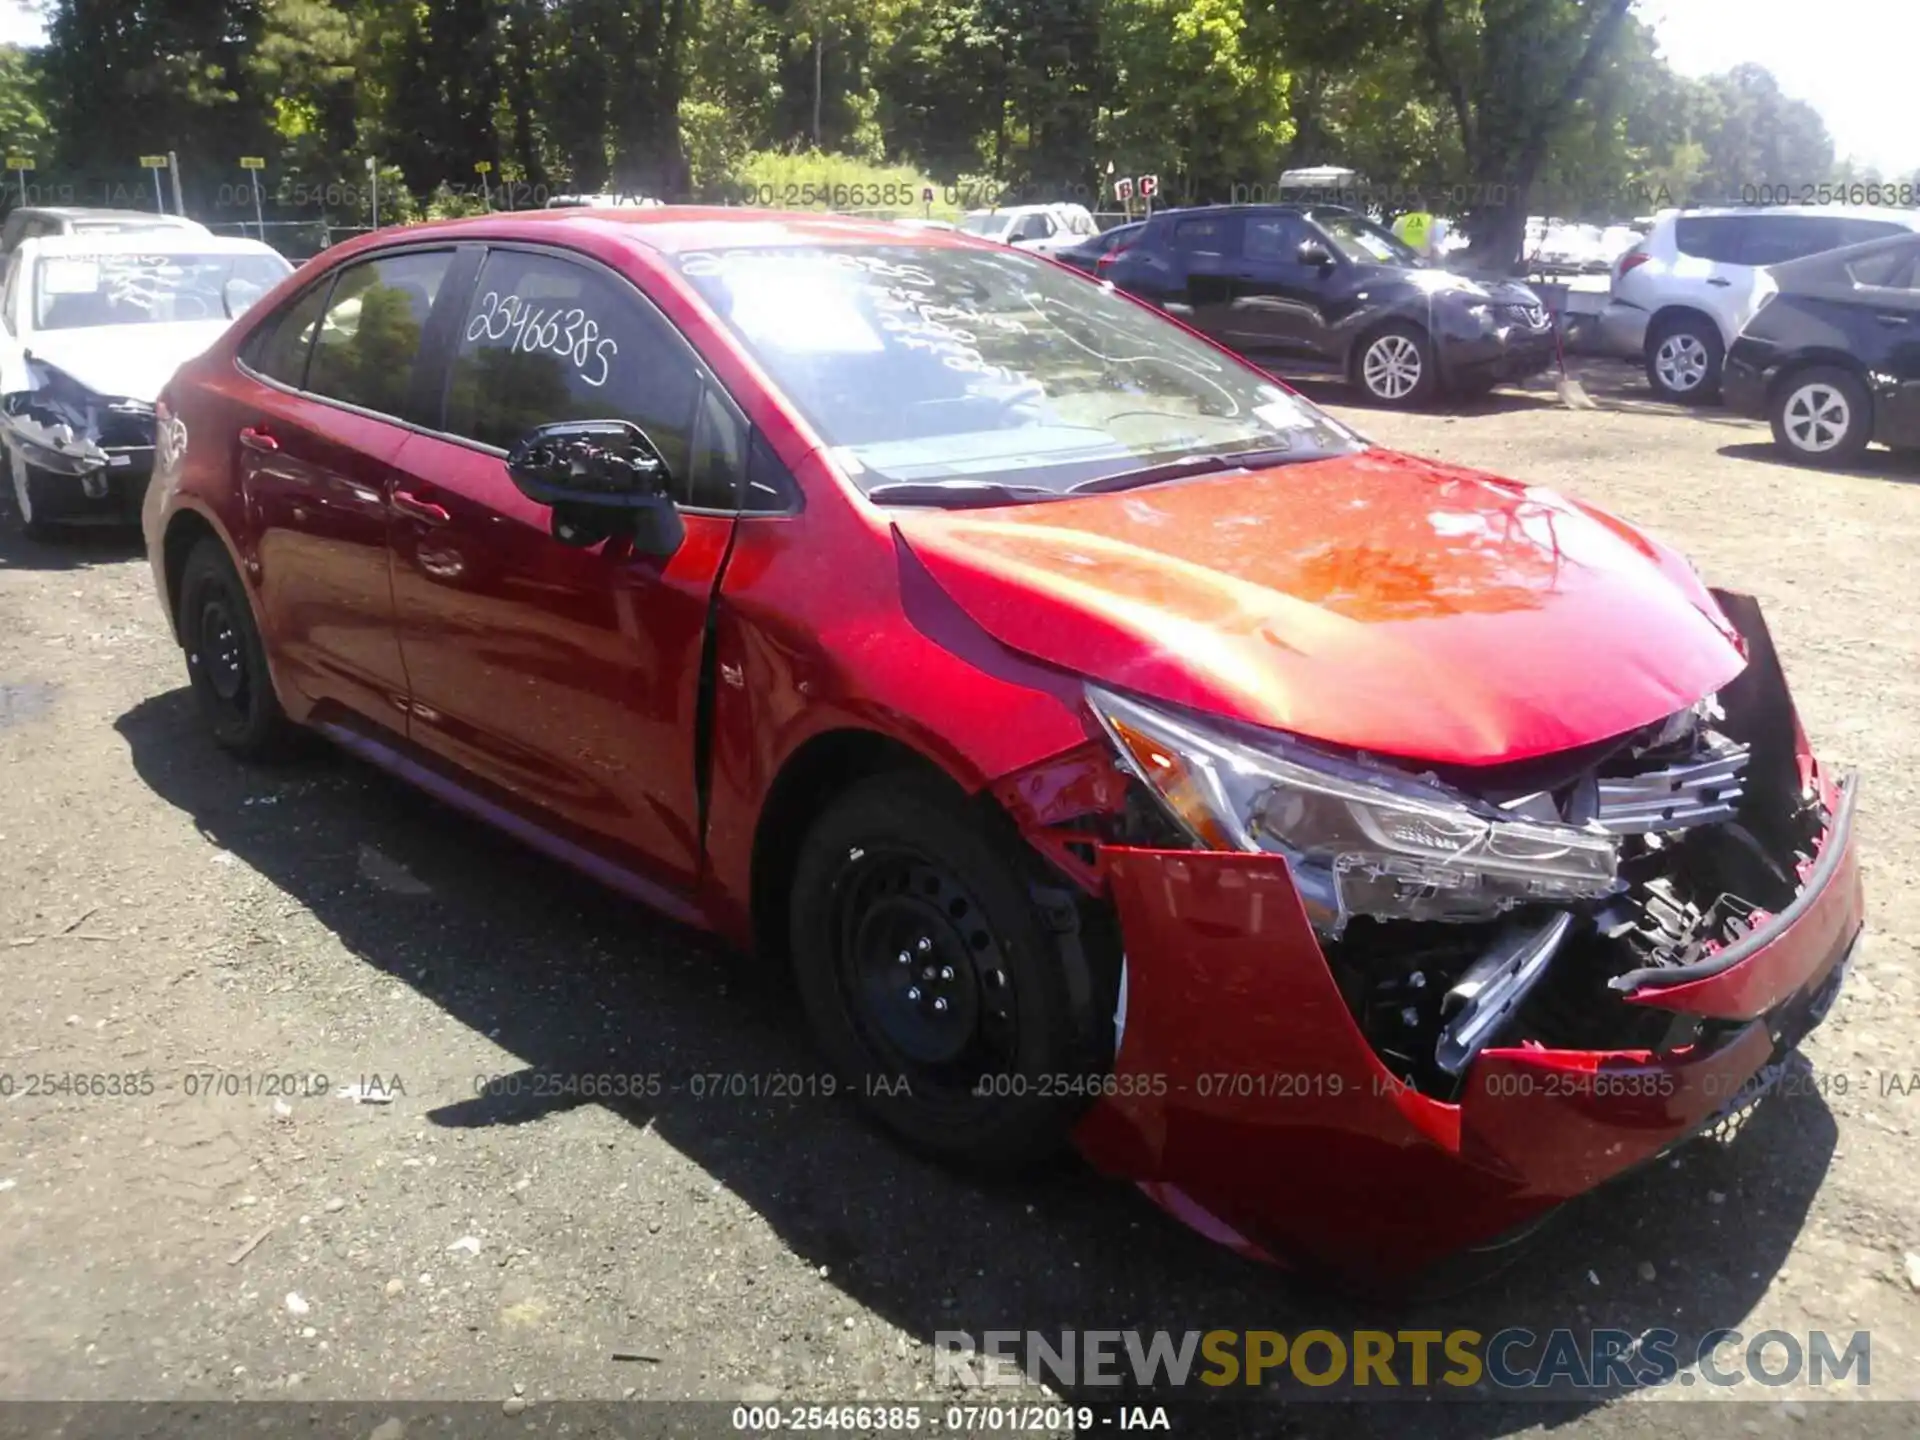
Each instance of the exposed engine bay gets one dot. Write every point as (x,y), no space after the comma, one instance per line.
(1715,832)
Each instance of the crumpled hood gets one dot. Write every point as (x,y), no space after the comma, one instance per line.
(1375,600)
(125,361)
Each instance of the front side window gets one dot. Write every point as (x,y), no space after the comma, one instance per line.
(548,339)
(1359,241)
(947,364)
(371,331)
(75,290)
(1274,237)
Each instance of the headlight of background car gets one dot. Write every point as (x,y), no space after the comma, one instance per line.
(1360,838)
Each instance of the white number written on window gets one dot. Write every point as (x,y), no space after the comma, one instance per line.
(569,333)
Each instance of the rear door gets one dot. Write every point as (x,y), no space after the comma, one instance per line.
(565,679)
(314,441)
(1204,253)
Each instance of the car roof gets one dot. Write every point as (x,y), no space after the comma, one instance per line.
(1909,218)
(85,212)
(151,242)
(668,229)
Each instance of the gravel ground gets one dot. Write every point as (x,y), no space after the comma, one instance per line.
(168,911)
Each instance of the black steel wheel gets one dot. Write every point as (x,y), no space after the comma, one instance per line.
(938,978)
(226,662)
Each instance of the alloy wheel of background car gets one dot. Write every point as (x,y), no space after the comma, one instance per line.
(930,979)
(1683,363)
(226,663)
(1822,416)
(1396,366)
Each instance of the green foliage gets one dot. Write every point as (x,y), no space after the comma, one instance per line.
(23,123)
(1495,106)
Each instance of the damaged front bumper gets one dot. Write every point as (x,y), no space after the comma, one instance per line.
(1250,1101)
(103,446)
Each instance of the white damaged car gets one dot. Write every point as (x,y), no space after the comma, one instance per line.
(91,328)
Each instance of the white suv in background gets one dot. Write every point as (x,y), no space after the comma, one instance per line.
(1681,295)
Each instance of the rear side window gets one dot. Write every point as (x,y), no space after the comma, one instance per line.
(1888,270)
(371,330)
(1709,237)
(1776,239)
(1213,236)
(547,339)
(278,349)
(1858,232)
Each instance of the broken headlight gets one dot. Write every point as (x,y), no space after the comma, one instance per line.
(1360,837)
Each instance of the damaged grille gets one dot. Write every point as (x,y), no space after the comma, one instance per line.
(1676,797)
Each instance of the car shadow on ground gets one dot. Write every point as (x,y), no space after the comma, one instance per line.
(1903,468)
(78,548)
(569,977)
(1609,385)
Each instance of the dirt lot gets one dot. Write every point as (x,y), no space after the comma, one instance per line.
(167,911)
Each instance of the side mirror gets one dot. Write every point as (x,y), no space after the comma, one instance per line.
(1312,252)
(600,478)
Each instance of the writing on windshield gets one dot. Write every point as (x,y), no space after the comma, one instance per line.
(928,364)
(75,290)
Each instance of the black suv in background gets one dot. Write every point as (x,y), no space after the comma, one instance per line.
(1321,289)
(1831,357)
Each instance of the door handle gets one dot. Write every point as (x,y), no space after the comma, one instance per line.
(425,511)
(1891,319)
(1720,282)
(255,439)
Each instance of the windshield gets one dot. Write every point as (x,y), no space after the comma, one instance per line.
(122,288)
(1361,242)
(954,365)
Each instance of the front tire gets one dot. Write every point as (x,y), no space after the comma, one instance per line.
(1821,416)
(1396,366)
(226,661)
(939,984)
(1683,361)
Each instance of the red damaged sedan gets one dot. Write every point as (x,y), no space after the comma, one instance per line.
(1362,854)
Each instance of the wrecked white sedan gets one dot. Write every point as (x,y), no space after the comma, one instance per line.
(93,326)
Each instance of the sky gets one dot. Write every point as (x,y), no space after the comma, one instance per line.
(1855,61)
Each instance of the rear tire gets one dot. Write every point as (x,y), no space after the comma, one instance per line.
(1683,361)
(948,991)
(1395,365)
(1822,416)
(226,661)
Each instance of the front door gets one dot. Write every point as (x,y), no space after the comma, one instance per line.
(568,679)
(1276,309)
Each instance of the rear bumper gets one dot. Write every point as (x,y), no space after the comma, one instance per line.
(1249,1105)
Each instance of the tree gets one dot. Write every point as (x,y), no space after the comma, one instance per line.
(23,121)
(1512,73)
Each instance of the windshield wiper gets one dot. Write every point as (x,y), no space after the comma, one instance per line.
(1195,465)
(957,494)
